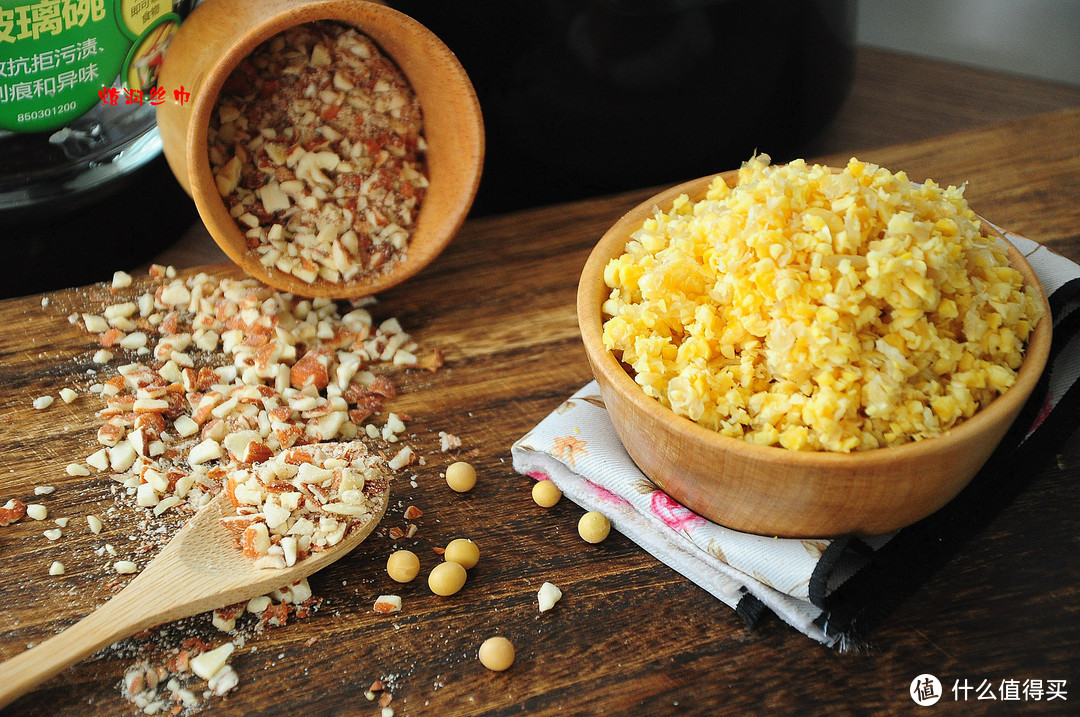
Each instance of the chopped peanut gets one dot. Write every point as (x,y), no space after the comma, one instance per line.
(386,604)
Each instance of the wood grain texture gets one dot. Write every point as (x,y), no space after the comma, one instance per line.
(630,636)
(897,98)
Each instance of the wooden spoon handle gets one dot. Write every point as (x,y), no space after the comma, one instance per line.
(150,599)
(199,570)
(109,623)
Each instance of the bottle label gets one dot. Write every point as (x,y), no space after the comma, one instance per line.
(60,58)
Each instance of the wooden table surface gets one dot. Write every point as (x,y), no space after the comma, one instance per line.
(630,635)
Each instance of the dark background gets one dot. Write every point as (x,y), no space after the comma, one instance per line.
(580,98)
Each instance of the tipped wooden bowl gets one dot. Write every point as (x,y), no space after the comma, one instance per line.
(220,33)
(775,491)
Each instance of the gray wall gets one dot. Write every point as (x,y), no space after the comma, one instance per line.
(1039,38)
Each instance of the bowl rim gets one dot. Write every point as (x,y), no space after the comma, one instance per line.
(372,19)
(592,292)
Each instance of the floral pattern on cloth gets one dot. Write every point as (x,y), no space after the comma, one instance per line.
(674,514)
(569,448)
(577,448)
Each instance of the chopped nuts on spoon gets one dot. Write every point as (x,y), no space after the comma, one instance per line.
(303,500)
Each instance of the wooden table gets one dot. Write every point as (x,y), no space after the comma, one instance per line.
(630,636)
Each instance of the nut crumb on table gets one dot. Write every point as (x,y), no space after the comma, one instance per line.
(547,596)
(386,604)
(228,372)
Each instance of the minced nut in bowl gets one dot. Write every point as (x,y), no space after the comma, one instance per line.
(797,434)
(332,147)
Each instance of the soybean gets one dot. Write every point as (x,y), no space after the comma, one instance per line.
(446,579)
(403,566)
(461,476)
(546,494)
(462,551)
(496,653)
(593,527)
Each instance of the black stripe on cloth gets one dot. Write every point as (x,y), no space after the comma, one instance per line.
(896,570)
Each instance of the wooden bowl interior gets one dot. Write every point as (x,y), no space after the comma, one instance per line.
(775,491)
(453,125)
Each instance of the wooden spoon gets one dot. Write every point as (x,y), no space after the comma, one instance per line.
(199,570)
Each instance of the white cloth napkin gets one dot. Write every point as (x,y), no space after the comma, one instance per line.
(577,448)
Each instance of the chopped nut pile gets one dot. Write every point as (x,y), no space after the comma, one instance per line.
(300,373)
(303,500)
(316,147)
(179,673)
(235,386)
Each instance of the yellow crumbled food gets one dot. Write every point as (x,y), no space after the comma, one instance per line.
(818,310)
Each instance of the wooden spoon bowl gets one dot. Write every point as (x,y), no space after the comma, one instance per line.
(219,34)
(774,491)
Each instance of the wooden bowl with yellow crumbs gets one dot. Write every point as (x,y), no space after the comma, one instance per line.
(849,487)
